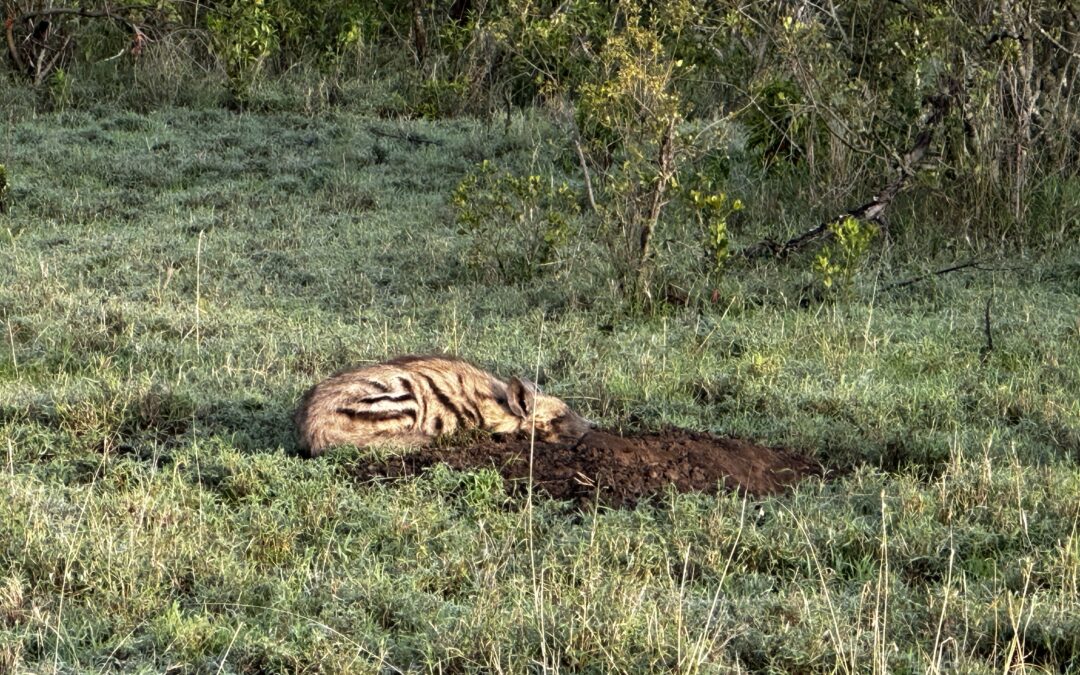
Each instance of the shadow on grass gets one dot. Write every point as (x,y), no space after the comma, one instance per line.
(145,423)
(250,425)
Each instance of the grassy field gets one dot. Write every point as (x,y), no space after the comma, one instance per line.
(171,282)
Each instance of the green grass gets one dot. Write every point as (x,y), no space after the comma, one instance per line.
(170,283)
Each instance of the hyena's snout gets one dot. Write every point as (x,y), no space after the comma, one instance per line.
(567,428)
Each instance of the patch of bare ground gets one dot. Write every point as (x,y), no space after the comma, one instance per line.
(618,471)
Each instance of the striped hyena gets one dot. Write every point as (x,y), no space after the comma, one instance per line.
(412,399)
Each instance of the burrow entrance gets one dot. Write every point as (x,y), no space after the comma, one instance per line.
(618,471)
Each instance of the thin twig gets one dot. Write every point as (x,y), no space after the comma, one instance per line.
(40,67)
(412,138)
(198,289)
(11,340)
(9,28)
(989,346)
(570,128)
(664,171)
(971,264)
(936,273)
(874,210)
(84,13)
(53,61)
(585,173)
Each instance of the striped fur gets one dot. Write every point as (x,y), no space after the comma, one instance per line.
(413,399)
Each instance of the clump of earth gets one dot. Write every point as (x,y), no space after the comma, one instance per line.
(618,471)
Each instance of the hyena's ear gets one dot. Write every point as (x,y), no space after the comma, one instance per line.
(521,397)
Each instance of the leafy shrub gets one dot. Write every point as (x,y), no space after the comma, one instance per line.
(244,36)
(516,224)
(712,211)
(778,124)
(628,115)
(437,98)
(60,83)
(852,237)
(251,36)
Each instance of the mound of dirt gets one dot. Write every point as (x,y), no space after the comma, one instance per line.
(619,471)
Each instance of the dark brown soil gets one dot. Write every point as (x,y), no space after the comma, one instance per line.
(619,471)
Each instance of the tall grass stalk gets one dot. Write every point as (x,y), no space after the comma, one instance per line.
(881,597)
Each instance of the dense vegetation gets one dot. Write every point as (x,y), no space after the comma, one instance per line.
(734,217)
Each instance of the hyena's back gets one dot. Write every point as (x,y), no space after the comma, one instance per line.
(415,398)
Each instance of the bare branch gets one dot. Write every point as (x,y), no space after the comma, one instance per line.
(37,66)
(989,346)
(84,13)
(9,27)
(936,273)
(585,173)
(44,69)
(873,210)
(663,162)
(412,138)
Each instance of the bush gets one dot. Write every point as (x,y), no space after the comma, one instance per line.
(853,238)
(517,225)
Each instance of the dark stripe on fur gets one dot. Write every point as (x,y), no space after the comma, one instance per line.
(396,398)
(378,386)
(471,406)
(411,359)
(406,383)
(377,415)
(443,399)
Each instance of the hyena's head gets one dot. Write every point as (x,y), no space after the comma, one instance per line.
(555,421)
